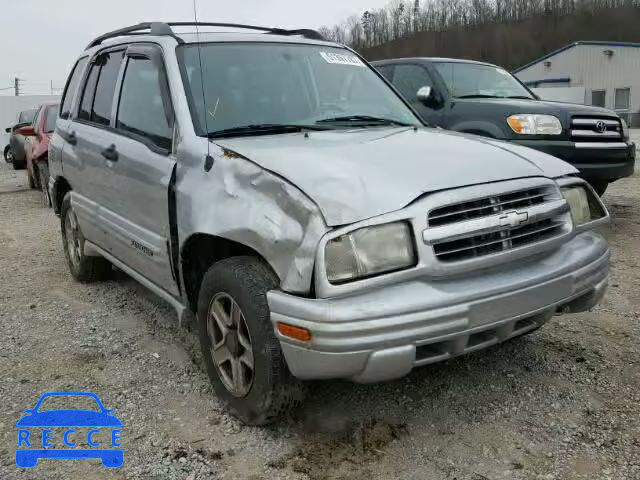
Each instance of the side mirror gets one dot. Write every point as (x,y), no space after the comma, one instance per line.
(8,129)
(425,94)
(26,131)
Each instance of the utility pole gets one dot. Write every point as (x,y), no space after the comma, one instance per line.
(16,86)
(51,87)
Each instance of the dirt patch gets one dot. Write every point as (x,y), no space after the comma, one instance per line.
(332,455)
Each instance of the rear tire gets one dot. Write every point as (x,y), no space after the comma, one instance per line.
(43,169)
(84,269)
(33,185)
(600,186)
(268,390)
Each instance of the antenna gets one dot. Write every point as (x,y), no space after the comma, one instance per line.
(208,160)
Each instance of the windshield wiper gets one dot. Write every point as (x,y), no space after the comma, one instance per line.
(521,97)
(479,95)
(262,129)
(364,120)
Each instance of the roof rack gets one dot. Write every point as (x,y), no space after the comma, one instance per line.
(164,29)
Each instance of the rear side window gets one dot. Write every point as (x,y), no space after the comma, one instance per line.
(100,88)
(408,79)
(72,86)
(27,116)
(141,111)
(106,87)
(89,92)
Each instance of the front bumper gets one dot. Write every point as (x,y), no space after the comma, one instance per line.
(595,161)
(384,333)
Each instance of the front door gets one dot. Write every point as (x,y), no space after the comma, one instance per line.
(139,160)
(408,78)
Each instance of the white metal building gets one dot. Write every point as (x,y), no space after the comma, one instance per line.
(11,106)
(609,73)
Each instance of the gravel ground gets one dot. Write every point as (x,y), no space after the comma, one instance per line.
(562,403)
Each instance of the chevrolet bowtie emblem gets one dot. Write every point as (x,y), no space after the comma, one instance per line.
(513,219)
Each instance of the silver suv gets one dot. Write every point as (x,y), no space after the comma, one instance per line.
(276,186)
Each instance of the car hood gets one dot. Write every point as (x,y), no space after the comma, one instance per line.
(69,418)
(357,174)
(516,105)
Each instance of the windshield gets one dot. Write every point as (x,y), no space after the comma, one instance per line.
(475,80)
(249,84)
(50,119)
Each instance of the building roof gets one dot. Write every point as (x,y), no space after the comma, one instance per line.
(575,44)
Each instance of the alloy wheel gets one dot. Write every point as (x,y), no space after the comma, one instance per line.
(74,239)
(231,348)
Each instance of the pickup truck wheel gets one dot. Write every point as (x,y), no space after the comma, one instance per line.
(84,269)
(600,186)
(241,352)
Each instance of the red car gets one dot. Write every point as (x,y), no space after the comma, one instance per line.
(38,134)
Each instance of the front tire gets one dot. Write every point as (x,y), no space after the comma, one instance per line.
(8,155)
(84,269)
(17,165)
(241,352)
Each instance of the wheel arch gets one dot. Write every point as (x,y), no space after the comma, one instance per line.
(200,251)
(476,127)
(60,188)
(478,132)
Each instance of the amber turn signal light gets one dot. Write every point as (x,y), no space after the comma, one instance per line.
(296,333)
(515,124)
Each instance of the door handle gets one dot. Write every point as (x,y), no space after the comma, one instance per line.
(110,153)
(71,138)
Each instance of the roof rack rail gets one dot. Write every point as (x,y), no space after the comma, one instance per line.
(164,29)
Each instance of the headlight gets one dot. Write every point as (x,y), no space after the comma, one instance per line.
(585,207)
(529,124)
(369,251)
(625,129)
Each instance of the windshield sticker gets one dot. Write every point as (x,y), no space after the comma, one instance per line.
(341,59)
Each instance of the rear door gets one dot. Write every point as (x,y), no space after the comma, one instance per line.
(61,136)
(89,135)
(136,207)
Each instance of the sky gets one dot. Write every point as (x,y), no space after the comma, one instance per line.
(41,39)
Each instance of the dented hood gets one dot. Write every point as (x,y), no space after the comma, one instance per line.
(360,173)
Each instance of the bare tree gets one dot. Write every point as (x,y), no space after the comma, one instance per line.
(407,21)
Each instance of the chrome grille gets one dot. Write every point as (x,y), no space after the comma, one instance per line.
(595,129)
(486,206)
(495,224)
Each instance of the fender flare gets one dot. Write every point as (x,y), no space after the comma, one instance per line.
(479,127)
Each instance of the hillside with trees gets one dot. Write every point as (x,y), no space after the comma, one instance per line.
(506,32)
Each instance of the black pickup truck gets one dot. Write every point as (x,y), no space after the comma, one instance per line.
(483,99)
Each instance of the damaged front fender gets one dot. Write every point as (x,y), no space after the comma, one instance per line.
(240,201)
